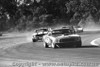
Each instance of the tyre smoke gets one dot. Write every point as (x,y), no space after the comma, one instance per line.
(91,26)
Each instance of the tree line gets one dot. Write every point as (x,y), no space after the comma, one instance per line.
(28,14)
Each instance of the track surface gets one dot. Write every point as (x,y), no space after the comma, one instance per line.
(36,51)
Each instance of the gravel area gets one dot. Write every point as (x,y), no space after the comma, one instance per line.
(10,40)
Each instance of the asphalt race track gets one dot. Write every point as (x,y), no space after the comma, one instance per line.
(36,51)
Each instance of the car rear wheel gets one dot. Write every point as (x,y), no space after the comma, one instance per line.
(34,40)
(46,45)
(0,34)
(79,44)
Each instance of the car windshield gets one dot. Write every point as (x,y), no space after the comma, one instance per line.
(44,29)
(61,31)
(41,30)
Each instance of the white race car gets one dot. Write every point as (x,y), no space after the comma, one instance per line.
(60,38)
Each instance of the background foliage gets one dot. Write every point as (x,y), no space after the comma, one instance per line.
(29,14)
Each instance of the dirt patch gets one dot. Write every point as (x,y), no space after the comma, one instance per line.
(13,39)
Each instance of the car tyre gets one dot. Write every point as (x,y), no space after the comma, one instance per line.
(54,46)
(79,44)
(0,34)
(46,45)
(34,40)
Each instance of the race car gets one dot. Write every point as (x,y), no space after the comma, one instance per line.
(78,29)
(38,34)
(60,38)
(69,27)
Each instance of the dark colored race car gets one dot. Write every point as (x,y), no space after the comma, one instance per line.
(75,29)
(38,34)
(60,38)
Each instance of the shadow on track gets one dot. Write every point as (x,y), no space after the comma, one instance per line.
(90,46)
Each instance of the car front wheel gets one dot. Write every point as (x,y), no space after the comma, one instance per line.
(46,45)
(53,45)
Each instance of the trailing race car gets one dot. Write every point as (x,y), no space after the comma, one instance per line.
(60,38)
(78,29)
(69,27)
(38,34)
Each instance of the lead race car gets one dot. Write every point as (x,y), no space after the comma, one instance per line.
(60,38)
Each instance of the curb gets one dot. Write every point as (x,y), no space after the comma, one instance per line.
(95,42)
